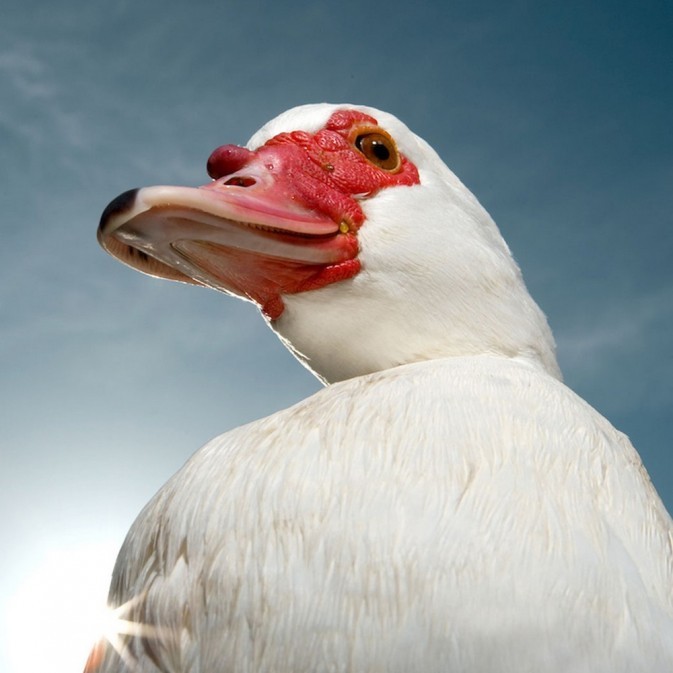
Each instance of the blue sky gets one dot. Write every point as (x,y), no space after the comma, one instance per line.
(556,115)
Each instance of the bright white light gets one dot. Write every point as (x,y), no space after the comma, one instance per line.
(59,611)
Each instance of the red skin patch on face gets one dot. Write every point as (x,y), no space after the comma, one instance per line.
(322,171)
(265,279)
(333,172)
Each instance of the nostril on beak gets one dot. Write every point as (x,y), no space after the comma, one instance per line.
(241,181)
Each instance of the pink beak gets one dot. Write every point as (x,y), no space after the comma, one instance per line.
(246,233)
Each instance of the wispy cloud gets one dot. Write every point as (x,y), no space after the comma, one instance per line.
(620,354)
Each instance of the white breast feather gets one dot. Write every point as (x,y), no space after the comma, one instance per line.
(348,534)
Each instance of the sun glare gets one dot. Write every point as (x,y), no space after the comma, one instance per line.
(59,611)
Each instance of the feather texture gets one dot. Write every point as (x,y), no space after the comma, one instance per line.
(338,535)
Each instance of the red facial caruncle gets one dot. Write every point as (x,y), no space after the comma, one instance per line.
(278,220)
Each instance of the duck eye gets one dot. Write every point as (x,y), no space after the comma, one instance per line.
(379,149)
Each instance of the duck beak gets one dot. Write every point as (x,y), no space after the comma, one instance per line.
(243,234)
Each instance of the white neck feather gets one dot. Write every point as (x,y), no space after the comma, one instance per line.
(437,278)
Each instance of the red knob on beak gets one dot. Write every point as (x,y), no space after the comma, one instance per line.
(227,159)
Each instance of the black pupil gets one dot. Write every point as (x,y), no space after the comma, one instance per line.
(379,150)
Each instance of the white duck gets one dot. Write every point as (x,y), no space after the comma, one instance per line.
(446,504)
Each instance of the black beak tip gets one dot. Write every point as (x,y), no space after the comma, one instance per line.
(118,205)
